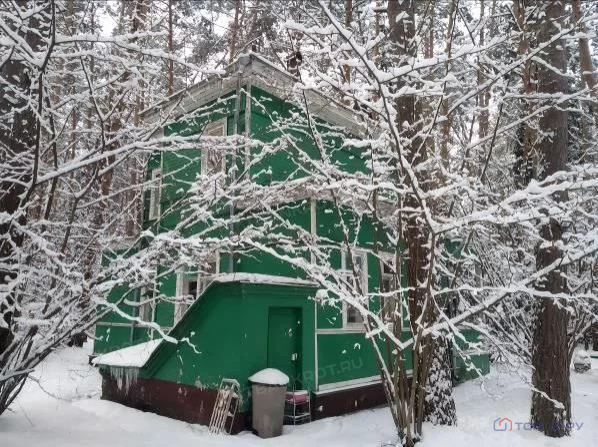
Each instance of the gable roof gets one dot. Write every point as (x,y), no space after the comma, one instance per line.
(253,69)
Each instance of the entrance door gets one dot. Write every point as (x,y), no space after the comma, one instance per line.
(284,342)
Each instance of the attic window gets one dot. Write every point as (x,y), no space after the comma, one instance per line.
(154,205)
(212,160)
(191,283)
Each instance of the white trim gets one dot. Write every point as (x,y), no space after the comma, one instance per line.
(346,384)
(259,278)
(471,352)
(356,252)
(107,323)
(154,306)
(248,98)
(182,276)
(316,379)
(143,307)
(155,194)
(351,329)
(313,225)
(334,387)
(214,125)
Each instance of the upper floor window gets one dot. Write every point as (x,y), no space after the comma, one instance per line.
(212,159)
(355,271)
(155,187)
(192,282)
(389,274)
(146,304)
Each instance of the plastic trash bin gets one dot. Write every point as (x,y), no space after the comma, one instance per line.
(268,389)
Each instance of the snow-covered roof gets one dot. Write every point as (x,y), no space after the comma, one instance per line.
(253,69)
(270,376)
(258,278)
(133,356)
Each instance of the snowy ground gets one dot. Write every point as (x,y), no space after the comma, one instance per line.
(63,409)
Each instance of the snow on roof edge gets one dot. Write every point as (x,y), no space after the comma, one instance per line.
(259,278)
(131,357)
(251,62)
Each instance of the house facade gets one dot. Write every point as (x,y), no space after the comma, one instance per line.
(245,311)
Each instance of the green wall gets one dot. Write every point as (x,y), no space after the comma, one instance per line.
(228,326)
(228,329)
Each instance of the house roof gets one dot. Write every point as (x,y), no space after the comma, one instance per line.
(253,69)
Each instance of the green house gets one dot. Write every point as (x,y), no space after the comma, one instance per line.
(248,310)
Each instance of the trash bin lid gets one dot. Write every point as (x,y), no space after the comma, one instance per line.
(270,376)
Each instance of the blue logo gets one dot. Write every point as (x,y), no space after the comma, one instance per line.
(506,424)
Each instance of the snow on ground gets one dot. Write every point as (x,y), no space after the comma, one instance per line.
(62,409)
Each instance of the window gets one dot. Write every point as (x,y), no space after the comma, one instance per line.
(191,283)
(187,293)
(146,305)
(389,275)
(212,160)
(351,316)
(154,205)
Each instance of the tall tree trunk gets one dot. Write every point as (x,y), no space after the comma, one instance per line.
(348,21)
(483,98)
(525,164)
(551,396)
(588,72)
(439,406)
(170,50)
(234,37)
(417,234)
(115,125)
(18,152)
(585,55)
(447,124)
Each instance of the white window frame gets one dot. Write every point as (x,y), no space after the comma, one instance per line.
(348,272)
(155,194)
(203,280)
(388,259)
(146,309)
(209,131)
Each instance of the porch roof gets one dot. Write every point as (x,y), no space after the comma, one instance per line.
(132,357)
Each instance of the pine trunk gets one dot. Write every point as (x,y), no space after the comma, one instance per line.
(417,235)
(551,396)
(18,148)
(439,407)
(525,165)
(20,154)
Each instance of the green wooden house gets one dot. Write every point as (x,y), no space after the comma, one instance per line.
(249,311)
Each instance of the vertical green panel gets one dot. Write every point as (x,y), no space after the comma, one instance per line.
(345,356)
(164,313)
(110,338)
(471,368)
(330,317)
